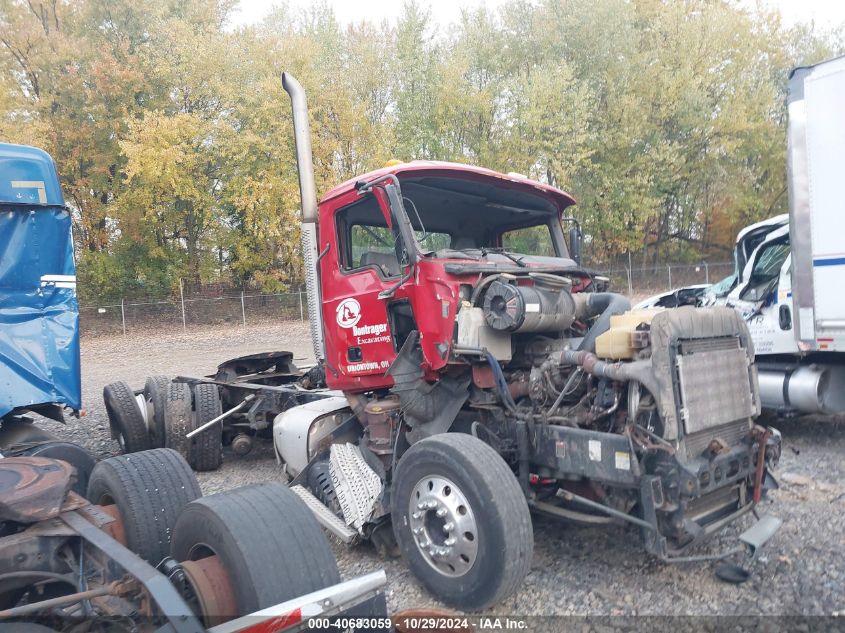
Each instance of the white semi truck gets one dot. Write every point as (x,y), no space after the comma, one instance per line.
(789,278)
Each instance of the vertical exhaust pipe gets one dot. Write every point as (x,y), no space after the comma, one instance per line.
(308,197)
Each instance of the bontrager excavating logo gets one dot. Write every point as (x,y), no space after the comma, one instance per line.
(364,330)
(348,313)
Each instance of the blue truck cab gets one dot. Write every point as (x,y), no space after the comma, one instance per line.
(39,313)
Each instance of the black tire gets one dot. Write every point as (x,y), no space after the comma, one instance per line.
(501,522)
(125,418)
(177,417)
(206,449)
(155,391)
(266,538)
(150,489)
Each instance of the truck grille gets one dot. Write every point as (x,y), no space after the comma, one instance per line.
(713,506)
(720,344)
(714,386)
(732,434)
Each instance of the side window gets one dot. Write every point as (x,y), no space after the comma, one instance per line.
(532,240)
(367,242)
(365,239)
(373,246)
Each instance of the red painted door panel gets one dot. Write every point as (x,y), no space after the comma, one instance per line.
(359,344)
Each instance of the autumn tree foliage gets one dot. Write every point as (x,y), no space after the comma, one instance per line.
(173,137)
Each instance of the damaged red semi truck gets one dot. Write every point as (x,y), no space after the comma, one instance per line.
(470,372)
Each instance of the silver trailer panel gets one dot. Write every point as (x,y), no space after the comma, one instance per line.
(815,156)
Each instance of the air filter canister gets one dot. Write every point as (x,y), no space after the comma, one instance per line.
(527,308)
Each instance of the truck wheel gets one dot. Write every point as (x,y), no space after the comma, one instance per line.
(149,490)
(155,392)
(177,417)
(125,418)
(461,520)
(251,548)
(206,448)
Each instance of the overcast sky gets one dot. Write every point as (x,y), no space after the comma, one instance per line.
(826,13)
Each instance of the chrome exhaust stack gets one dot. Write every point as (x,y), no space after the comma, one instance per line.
(308,197)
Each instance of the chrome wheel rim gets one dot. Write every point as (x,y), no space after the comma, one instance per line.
(443,526)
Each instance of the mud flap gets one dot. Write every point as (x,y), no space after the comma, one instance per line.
(759,534)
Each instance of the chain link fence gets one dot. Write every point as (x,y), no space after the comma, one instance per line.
(641,282)
(238,310)
(243,308)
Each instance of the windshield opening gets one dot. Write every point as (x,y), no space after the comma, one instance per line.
(454,218)
(766,271)
(722,288)
(533,240)
(451,218)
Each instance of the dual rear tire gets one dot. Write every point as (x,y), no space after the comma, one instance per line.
(149,490)
(155,393)
(185,411)
(205,451)
(261,541)
(267,540)
(163,417)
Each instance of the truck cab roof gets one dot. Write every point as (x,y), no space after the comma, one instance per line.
(771,223)
(28,176)
(421,169)
(39,315)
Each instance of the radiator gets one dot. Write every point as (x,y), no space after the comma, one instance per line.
(714,386)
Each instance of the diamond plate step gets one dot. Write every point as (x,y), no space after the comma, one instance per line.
(324,516)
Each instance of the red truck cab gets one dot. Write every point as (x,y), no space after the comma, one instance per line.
(464,223)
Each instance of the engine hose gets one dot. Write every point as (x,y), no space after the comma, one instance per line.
(620,372)
(523,454)
(480,287)
(501,383)
(564,392)
(39,576)
(605,304)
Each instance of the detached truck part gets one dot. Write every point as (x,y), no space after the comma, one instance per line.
(469,372)
(39,315)
(248,560)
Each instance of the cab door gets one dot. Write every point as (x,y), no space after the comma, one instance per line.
(361,262)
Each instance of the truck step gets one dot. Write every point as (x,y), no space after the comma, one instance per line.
(324,516)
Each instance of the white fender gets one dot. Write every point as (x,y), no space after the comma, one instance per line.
(297,430)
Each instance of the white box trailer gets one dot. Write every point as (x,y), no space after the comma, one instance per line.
(816,164)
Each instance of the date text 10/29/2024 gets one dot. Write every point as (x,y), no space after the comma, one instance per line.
(452,624)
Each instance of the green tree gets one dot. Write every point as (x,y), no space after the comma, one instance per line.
(173,136)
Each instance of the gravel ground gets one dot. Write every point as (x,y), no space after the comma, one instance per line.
(600,571)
